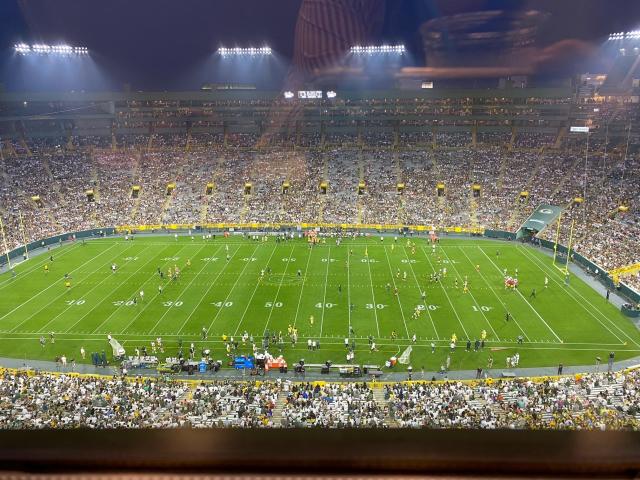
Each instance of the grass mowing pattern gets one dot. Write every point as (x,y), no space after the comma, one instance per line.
(563,324)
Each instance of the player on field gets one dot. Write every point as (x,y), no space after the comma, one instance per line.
(204,333)
(311,320)
(46,269)
(68,285)
(533,293)
(546,282)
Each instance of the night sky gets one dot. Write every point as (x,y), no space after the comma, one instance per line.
(169,44)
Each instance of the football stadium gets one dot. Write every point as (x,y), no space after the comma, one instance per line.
(342,214)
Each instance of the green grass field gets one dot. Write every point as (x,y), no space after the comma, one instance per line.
(569,324)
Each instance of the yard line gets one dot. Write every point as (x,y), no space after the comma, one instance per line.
(42,291)
(304,279)
(204,265)
(277,293)
(209,289)
(255,289)
(397,296)
(497,297)
(537,263)
(473,298)
(373,296)
(524,298)
(426,307)
(446,295)
(425,342)
(44,328)
(137,289)
(35,267)
(324,297)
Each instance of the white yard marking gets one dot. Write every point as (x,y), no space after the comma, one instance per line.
(255,289)
(554,272)
(404,320)
(446,295)
(324,297)
(44,290)
(524,298)
(304,281)
(497,297)
(184,290)
(420,291)
(373,296)
(275,300)
(141,287)
(36,267)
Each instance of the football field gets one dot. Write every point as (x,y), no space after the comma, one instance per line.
(365,286)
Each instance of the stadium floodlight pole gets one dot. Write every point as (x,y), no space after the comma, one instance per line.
(4,242)
(566,267)
(24,237)
(555,245)
(604,157)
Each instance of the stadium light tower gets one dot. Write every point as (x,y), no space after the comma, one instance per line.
(44,49)
(631,35)
(246,52)
(377,50)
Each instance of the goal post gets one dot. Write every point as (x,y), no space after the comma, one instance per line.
(558,262)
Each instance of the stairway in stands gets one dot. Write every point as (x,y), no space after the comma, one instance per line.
(520,203)
(135,175)
(276,415)
(322,199)
(378,396)
(54,186)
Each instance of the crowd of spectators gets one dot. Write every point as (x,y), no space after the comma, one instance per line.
(46,182)
(594,401)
